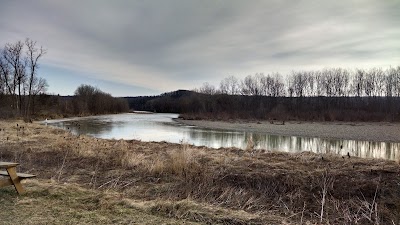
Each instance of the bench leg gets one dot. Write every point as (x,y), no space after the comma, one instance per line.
(15,180)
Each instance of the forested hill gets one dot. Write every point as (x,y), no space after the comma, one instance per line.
(193,105)
(166,102)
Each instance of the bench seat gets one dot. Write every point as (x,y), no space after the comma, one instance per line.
(20,175)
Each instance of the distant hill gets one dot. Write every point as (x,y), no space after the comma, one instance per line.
(151,103)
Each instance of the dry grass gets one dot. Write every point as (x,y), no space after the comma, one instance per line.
(183,182)
(54,203)
(250,143)
(398,159)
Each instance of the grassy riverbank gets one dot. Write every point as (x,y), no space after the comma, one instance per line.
(88,180)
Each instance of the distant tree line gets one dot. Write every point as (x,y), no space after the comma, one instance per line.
(19,83)
(325,95)
(334,82)
(88,100)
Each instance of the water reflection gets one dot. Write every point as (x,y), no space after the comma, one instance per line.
(365,149)
(161,127)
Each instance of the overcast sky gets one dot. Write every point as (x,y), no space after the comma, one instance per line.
(129,48)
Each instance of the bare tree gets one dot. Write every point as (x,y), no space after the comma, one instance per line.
(290,86)
(83,94)
(18,74)
(327,80)
(247,85)
(319,83)
(229,85)
(13,56)
(311,85)
(299,83)
(252,85)
(371,81)
(39,86)
(358,82)
(340,78)
(380,82)
(207,89)
(223,87)
(392,82)
(269,82)
(396,79)
(33,55)
(278,87)
(5,76)
(2,85)
(91,100)
(269,85)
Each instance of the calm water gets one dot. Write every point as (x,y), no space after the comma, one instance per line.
(162,127)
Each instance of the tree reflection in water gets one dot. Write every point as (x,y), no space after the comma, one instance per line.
(365,149)
(162,127)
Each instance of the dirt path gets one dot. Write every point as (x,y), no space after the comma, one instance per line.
(386,132)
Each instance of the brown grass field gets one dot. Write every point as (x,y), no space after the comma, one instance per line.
(84,180)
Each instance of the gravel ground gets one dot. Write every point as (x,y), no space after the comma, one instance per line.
(371,131)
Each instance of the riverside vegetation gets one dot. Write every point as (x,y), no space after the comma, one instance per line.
(87,180)
(333,94)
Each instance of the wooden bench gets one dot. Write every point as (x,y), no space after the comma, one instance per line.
(14,178)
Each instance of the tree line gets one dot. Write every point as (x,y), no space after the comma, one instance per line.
(194,105)
(324,95)
(332,82)
(90,100)
(23,92)
(87,100)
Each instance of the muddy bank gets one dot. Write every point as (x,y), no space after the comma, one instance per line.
(382,131)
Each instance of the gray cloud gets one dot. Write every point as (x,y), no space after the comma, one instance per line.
(169,44)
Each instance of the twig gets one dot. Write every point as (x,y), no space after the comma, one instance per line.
(106,183)
(113,181)
(324,190)
(326,182)
(287,208)
(62,167)
(93,179)
(373,202)
(302,213)
(129,183)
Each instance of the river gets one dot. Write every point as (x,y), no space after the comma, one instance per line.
(163,127)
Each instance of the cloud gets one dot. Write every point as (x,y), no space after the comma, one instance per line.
(169,44)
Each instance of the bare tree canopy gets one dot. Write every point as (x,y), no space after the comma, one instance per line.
(334,82)
(18,74)
(90,100)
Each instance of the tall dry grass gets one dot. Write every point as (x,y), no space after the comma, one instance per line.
(398,158)
(250,143)
(182,162)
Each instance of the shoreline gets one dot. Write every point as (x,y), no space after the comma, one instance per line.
(361,131)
